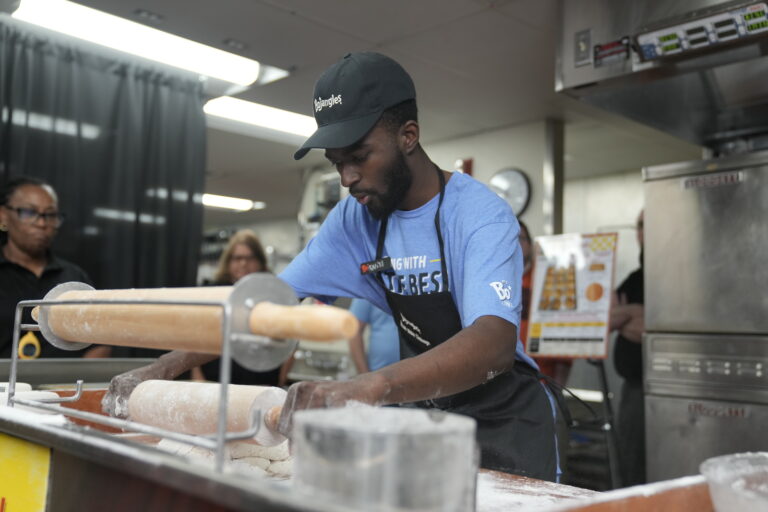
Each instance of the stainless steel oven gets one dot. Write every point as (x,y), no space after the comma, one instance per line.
(706,313)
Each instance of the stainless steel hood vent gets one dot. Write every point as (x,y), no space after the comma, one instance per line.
(697,69)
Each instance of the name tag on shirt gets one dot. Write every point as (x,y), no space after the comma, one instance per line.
(379,265)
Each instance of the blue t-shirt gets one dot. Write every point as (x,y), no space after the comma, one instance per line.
(383,339)
(485,262)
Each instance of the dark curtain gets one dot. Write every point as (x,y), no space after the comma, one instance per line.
(122,142)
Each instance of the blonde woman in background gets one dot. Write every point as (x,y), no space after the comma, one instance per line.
(243,255)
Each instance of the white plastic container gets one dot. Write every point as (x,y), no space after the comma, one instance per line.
(386,459)
(738,482)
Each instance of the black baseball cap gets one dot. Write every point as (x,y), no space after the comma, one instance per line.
(350,97)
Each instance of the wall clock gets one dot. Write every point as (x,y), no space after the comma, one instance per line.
(512,185)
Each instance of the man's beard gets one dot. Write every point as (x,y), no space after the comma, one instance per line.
(397,181)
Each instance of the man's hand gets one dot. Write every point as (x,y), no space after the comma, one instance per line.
(369,388)
(115,401)
(167,367)
(473,356)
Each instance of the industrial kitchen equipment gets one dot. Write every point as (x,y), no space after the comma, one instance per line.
(706,345)
(696,69)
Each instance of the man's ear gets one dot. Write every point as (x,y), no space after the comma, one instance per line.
(409,137)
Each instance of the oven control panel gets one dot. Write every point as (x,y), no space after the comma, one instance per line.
(715,366)
(710,30)
(688,367)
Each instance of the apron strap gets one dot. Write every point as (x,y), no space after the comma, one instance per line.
(383,233)
(443,263)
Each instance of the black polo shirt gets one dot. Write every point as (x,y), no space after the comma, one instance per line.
(17,284)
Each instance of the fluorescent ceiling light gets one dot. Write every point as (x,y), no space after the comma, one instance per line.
(261,115)
(177,195)
(127,36)
(51,124)
(232,203)
(210,200)
(128,216)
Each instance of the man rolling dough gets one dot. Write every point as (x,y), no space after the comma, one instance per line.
(438,250)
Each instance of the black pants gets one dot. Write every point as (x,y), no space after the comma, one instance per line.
(631,434)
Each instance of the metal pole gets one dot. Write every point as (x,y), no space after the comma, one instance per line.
(224,378)
(553,175)
(14,354)
(610,432)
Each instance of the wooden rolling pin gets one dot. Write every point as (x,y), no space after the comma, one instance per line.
(193,407)
(191,328)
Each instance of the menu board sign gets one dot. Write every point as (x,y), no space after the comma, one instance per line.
(571,295)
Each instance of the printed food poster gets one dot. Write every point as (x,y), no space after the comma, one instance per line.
(571,296)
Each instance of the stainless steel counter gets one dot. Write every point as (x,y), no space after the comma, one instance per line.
(92,470)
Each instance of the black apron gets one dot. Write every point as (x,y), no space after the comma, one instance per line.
(515,424)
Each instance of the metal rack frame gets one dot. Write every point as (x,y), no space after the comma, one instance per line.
(215,442)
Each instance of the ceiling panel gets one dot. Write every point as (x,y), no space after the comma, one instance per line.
(380,22)
(541,14)
(272,35)
(478,65)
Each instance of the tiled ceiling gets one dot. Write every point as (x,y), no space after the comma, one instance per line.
(478,65)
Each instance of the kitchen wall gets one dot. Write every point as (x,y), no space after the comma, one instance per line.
(604,204)
(519,146)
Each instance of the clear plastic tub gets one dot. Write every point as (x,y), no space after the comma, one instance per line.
(738,482)
(392,459)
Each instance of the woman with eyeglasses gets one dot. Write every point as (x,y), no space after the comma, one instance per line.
(243,255)
(29,220)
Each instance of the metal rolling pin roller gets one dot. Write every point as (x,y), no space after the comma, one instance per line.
(264,320)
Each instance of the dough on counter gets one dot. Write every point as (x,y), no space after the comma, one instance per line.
(20,386)
(185,450)
(239,450)
(281,468)
(29,395)
(244,457)
(259,462)
(243,467)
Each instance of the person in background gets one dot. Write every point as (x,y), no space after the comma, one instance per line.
(556,368)
(627,319)
(29,221)
(243,255)
(383,340)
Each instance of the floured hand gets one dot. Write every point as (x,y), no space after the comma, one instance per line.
(367,388)
(167,367)
(115,401)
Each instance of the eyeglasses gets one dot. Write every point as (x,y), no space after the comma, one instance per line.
(30,215)
(242,259)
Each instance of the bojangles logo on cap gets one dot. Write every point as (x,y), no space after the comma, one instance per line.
(333,99)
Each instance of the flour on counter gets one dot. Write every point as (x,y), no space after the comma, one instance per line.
(496,494)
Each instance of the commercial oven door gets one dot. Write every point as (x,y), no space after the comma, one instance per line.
(705,246)
(683,432)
